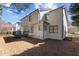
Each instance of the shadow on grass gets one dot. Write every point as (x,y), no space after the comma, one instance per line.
(49,48)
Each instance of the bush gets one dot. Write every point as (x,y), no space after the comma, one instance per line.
(4,32)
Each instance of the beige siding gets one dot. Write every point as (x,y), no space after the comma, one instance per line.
(25,21)
(55,18)
(35,17)
(38,33)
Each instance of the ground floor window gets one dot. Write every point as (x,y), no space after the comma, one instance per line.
(40,28)
(53,28)
(31,29)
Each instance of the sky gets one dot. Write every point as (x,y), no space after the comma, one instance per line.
(9,16)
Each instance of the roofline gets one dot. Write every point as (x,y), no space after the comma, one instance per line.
(29,14)
(56,9)
(39,10)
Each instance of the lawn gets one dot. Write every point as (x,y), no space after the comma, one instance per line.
(35,47)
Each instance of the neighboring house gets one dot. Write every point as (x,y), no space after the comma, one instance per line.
(17,29)
(73,29)
(5,27)
(46,24)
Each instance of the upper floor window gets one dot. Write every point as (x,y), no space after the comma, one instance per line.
(46,17)
(29,18)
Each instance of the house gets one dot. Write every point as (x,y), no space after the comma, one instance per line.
(5,27)
(17,29)
(73,29)
(44,24)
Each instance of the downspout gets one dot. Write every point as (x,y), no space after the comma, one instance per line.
(62,23)
(43,30)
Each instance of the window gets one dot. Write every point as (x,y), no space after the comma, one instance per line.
(53,29)
(56,29)
(46,17)
(40,28)
(29,18)
(32,29)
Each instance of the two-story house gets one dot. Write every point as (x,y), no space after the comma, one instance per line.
(44,24)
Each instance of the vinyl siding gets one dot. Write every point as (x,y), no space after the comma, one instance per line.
(25,21)
(38,33)
(55,18)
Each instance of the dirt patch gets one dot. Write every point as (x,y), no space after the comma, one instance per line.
(37,47)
